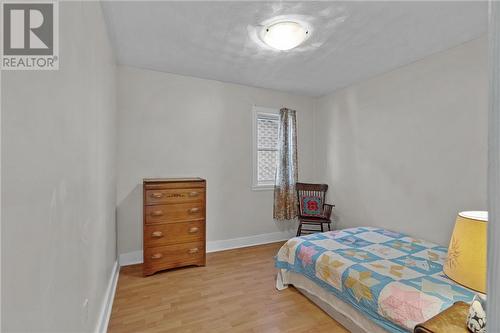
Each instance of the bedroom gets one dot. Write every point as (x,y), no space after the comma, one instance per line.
(387,103)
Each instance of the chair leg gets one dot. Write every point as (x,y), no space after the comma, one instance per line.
(299,229)
(322,228)
(329,229)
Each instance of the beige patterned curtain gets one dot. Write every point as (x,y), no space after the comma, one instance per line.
(285,197)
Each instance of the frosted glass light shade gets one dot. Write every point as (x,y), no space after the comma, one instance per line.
(466,260)
(284,35)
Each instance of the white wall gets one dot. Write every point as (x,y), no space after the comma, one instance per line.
(171,125)
(407,150)
(58,181)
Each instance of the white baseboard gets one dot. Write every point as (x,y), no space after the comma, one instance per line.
(234,243)
(135,257)
(131,258)
(107,302)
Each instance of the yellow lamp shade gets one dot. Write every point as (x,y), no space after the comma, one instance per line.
(466,260)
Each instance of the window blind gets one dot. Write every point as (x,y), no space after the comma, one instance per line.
(267,147)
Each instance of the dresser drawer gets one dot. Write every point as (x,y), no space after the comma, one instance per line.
(163,257)
(174,213)
(174,196)
(174,233)
(178,184)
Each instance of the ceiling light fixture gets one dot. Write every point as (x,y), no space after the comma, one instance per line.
(284,35)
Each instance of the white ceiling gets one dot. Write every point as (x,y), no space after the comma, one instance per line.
(351,41)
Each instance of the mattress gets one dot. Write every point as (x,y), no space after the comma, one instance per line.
(394,280)
(336,308)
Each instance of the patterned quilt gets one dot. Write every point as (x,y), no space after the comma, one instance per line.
(394,279)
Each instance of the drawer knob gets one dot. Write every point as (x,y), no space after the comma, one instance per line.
(193,250)
(156,256)
(194,210)
(157,234)
(193,230)
(157,195)
(157,213)
(193,194)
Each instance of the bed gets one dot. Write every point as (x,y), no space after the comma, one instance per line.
(370,279)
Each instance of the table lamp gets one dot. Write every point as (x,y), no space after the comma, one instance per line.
(466,260)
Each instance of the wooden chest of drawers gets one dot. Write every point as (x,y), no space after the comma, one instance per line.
(174,223)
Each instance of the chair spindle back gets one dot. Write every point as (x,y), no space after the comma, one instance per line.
(306,189)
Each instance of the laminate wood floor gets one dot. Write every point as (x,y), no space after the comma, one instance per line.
(234,293)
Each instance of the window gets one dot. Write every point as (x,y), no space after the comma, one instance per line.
(266,125)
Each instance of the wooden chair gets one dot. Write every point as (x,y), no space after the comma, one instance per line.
(313,190)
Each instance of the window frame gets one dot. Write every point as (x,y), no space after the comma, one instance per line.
(256,112)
